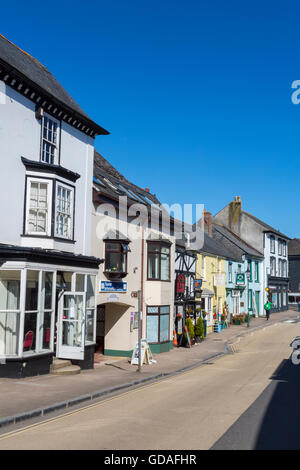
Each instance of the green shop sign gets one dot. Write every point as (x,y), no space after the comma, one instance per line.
(240,279)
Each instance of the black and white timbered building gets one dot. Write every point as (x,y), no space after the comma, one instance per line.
(185,297)
(47,273)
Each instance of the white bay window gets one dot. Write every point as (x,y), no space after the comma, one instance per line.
(38,217)
(64,211)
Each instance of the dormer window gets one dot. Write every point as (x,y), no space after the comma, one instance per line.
(49,150)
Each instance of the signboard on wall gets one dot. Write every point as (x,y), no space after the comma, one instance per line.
(113,286)
(219,280)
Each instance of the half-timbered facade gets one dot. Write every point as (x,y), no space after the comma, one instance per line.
(185,275)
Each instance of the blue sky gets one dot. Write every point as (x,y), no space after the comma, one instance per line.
(196,93)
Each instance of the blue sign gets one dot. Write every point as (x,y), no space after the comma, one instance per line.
(113,286)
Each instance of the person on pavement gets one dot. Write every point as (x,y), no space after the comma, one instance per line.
(267,307)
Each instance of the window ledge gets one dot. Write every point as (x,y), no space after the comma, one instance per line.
(115,274)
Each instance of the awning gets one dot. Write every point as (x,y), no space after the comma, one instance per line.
(207,293)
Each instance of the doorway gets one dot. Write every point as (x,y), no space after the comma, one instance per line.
(100,329)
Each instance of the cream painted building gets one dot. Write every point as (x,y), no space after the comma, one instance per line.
(133,262)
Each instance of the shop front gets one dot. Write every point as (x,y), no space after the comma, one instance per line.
(46,309)
(278,288)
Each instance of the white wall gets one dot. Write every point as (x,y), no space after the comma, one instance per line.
(20,135)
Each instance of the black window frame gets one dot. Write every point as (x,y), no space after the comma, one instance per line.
(122,252)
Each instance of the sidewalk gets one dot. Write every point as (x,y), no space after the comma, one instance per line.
(36,396)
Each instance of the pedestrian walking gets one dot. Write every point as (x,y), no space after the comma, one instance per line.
(267,307)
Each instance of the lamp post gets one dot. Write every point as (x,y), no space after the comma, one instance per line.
(248,273)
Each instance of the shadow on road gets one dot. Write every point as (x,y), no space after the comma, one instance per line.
(280,425)
(272,422)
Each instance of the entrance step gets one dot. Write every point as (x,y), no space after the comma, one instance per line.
(64,367)
(68,370)
(59,363)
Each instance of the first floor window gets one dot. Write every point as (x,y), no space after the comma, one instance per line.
(38,207)
(256,271)
(116,257)
(42,196)
(230,272)
(273,266)
(64,209)
(158,262)
(158,324)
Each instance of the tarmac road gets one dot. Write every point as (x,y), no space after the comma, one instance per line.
(231,402)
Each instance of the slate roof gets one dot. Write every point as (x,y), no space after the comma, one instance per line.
(233,243)
(104,172)
(33,70)
(267,227)
(294,247)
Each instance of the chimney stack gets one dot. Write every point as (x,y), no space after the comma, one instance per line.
(207,222)
(234,215)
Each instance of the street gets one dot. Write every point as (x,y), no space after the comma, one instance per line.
(227,403)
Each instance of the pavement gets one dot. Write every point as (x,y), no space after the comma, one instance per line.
(38,396)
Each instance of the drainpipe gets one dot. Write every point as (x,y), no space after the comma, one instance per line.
(140,304)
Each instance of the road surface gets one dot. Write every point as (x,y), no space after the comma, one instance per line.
(231,402)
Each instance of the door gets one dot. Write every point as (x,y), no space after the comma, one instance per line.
(71,326)
(257,301)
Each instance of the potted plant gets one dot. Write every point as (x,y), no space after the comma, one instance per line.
(191,330)
(199,330)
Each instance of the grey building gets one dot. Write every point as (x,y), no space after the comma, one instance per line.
(265,239)
(294,265)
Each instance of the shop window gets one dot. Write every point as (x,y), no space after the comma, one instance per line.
(31,311)
(158,262)
(10,284)
(116,257)
(158,324)
(90,308)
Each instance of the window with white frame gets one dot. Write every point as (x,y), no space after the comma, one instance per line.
(280,242)
(283,247)
(230,272)
(272,244)
(64,211)
(273,266)
(38,216)
(203,266)
(49,151)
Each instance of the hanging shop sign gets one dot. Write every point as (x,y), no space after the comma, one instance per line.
(240,279)
(113,286)
(180,284)
(197,285)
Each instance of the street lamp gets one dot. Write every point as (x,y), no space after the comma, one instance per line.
(248,274)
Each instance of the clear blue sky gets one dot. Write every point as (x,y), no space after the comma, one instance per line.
(196,93)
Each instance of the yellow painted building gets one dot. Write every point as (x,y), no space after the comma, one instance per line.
(211,269)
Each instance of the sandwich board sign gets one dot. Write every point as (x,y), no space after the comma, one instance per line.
(145,351)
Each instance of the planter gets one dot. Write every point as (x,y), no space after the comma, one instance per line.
(198,339)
